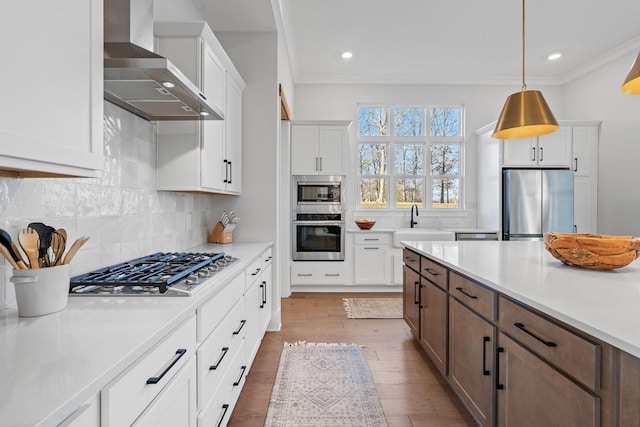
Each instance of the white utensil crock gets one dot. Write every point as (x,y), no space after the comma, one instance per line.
(41,291)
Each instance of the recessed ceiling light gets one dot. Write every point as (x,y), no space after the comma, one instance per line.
(204,113)
(167,84)
(554,56)
(347,55)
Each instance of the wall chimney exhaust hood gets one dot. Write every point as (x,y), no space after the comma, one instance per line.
(137,79)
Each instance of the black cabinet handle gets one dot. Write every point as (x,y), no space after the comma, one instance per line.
(237,331)
(230,173)
(179,353)
(256,272)
(528,332)
(225,408)
(262,292)
(416,294)
(533,159)
(485,371)
(541,153)
(239,380)
(226,171)
(575,169)
(225,350)
(462,291)
(431,271)
(420,297)
(498,385)
(409,259)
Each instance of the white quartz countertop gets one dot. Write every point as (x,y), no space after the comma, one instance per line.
(604,304)
(51,365)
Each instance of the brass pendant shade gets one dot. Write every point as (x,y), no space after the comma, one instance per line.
(525,114)
(631,84)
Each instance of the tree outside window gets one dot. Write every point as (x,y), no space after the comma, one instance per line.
(413,143)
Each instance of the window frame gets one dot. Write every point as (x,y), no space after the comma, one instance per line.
(391,140)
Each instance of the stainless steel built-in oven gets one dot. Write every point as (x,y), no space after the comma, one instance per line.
(316,190)
(318,237)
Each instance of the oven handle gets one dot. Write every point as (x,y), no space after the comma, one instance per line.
(319,223)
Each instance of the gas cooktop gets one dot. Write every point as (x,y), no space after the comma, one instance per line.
(162,273)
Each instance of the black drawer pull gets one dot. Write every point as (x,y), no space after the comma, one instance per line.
(409,259)
(225,350)
(526,331)
(225,408)
(256,272)
(372,240)
(498,385)
(239,380)
(432,271)
(420,297)
(462,291)
(416,294)
(179,353)
(262,292)
(485,371)
(237,331)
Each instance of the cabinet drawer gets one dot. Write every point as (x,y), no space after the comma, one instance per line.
(213,311)
(126,398)
(322,273)
(372,239)
(434,272)
(476,297)
(219,408)
(411,259)
(252,272)
(216,354)
(572,353)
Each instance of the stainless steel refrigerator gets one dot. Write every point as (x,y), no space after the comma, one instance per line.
(535,201)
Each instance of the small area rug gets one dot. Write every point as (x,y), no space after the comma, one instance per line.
(373,308)
(324,385)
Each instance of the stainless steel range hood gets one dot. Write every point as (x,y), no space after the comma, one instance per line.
(139,80)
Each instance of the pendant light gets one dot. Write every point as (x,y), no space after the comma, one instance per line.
(631,84)
(525,113)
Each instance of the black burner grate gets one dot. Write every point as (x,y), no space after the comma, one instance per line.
(160,270)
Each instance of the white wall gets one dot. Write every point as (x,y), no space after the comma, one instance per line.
(482,105)
(597,96)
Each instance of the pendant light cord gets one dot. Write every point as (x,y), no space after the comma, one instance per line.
(524,85)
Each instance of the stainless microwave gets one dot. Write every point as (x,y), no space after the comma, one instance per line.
(317,190)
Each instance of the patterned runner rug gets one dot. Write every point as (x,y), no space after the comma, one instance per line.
(373,308)
(324,385)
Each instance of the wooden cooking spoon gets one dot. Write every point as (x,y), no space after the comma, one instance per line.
(74,248)
(30,243)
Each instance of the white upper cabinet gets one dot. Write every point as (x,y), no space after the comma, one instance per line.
(551,150)
(51,105)
(319,148)
(203,156)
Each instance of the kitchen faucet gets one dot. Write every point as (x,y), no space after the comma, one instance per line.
(412,221)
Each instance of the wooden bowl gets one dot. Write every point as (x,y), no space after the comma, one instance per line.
(593,251)
(365,225)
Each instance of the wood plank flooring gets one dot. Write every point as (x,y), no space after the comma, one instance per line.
(411,390)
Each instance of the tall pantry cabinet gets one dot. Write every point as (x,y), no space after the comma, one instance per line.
(574,146)
(201,156)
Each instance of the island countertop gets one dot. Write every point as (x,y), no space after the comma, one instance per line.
(604,304)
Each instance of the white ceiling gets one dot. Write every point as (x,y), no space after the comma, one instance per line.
(444,42)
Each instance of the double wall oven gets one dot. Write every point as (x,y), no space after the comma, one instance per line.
(318,229)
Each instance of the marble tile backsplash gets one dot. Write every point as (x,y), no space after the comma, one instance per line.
(121,210)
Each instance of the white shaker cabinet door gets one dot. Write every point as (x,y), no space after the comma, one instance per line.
(51,108)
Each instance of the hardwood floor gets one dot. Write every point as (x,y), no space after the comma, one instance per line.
(411,390)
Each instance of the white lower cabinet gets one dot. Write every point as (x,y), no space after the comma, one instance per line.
(193,376)
(176,404)
(318,273)
(129,395)
(372,259)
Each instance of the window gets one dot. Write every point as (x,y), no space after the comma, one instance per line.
(395,145)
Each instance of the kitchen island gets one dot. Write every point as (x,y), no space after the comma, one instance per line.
(53,365)
(524,339)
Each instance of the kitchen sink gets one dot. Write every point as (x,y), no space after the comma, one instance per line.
(420,234)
